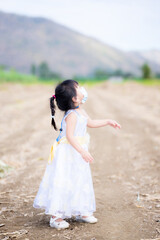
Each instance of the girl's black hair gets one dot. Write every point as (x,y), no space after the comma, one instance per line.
(64,92)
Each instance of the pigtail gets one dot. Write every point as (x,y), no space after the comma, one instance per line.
(63,95)
(52,107)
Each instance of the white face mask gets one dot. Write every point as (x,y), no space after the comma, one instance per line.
(85,94)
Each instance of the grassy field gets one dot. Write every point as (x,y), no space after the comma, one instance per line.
(14,77)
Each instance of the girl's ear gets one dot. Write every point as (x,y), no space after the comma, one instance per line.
(74,99)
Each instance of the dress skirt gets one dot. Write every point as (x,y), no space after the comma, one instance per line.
(66,188)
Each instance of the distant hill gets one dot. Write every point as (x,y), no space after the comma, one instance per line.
(26,40)
(150,55)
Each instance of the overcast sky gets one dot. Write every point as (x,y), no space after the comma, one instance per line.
(125,24)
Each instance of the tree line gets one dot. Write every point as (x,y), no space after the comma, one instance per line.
(43,71)
(146,72)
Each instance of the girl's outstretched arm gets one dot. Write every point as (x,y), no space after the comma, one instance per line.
(71,121)
(95,123)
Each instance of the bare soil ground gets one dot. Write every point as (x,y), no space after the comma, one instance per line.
(126,162)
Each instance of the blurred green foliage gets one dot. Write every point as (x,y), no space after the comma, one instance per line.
(146,71)
(105,74)
(44,72)
(12,76)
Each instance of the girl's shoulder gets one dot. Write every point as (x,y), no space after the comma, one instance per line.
(70,111)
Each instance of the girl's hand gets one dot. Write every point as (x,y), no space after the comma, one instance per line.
(113,123)
(86,156)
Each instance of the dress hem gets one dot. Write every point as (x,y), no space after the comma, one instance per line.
(63,214)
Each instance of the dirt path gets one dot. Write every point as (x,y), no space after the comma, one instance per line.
(126,162)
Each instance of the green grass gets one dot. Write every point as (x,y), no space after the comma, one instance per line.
(4,169)
(148,82)
(14,77)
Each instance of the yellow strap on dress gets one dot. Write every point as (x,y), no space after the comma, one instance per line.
(81,140)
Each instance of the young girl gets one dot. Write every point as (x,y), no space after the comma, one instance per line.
(66,189)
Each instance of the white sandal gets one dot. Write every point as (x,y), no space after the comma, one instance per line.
(59,225)
(89,219)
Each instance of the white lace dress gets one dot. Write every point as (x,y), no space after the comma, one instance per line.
(66,188)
